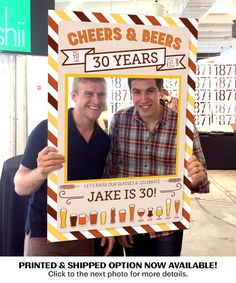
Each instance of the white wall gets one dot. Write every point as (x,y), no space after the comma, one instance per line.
(37,72)
(7,105)
(23,100)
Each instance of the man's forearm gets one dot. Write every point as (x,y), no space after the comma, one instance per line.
(28,181)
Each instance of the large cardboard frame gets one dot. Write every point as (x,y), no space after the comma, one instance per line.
(89,45)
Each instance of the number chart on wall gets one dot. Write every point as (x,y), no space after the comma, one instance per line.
(215,103)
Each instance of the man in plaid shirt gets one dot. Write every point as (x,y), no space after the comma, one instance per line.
(143,143)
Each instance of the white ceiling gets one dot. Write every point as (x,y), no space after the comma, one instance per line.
(215,23)
(215,16)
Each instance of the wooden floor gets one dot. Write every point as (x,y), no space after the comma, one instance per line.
(213,218)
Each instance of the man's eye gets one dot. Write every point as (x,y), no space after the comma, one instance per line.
(102,94)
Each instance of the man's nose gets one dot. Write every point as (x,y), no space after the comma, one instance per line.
(143,96)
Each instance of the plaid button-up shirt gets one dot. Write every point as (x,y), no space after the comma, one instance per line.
(137,152)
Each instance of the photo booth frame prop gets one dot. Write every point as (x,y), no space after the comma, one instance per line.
(87,44)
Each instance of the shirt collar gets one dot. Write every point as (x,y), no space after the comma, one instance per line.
(72,125)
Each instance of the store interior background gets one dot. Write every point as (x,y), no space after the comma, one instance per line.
(23,103)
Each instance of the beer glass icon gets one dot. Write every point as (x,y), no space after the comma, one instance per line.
(63,213)
(177,204)
(103,217)
(93,215)
(141,212)
(168,203)
(131,212)
(159,212)
(113,214)
(82,219)
(122,215)
(150,213)
(73,219)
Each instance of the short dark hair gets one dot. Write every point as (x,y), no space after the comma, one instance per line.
(159,82)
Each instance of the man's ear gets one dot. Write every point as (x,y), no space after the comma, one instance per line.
(73,95)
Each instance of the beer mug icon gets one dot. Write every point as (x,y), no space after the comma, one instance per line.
(83,219)
(73,219)
(93,215)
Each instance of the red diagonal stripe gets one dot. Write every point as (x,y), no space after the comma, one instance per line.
(101,18)
(190,116)
(130,230)
(191,82)
(136,19)
(189,25)
(185,163)
(189,133)
(53,24)
(82,17)
(52,194)
(53,83)
(53,44)
(78,235)
(52,101)
(179,225)
(96,233)
(153,20)
(192,66)
(186,181)
(52,138)
(52,212)
(148,228)
(186,215)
